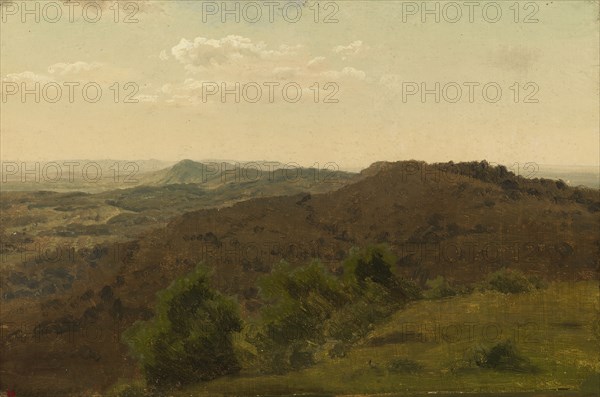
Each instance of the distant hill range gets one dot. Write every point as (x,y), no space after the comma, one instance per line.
(213,174)
(97,176)
(103,175)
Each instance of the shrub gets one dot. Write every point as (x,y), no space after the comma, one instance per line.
(503,356)
(372,263)
(510,281)
(307,306)
(339,350)
(299,303)
(439,288)
(538,282)
(375,263)
(404,365)
(189,339)
(357,318)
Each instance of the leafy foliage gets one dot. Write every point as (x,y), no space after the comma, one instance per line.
(510,281)
(503,356)
(439,288)
(404,365)
(189,339)
(299,303)
(309,306)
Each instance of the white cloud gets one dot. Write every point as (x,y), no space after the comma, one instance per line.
(73,68)
(202,53)
(285,49)
(237,59)
(26,76)
(351,49)
(345,72)
(315,62)
(210,52)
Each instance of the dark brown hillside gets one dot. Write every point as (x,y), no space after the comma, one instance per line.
(437,222)
(461,221)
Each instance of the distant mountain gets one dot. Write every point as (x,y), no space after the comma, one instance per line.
(218,173)
(105,175)
(185,171)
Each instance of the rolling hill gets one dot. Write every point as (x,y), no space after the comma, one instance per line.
(461,221)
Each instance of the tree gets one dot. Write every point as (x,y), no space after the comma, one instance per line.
(376,263)
(189,338)
(299,303)
(308,307)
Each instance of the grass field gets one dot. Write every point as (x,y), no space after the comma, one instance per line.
(552,328)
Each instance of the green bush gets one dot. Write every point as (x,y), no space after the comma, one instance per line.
(308,306)
(404,365)
(299,303)
(510,281)
(439,288)
(537,282)
(339,350)
(377,264)
(356,319)
(189,338)
(503,356)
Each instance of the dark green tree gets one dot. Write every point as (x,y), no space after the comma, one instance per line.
(299,303)
(307,307)
(377,264)
(189,338)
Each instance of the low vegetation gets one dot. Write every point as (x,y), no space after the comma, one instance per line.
(337,332)
(502,356)
(308,311)
(438,288)
(509,281)
(189,338)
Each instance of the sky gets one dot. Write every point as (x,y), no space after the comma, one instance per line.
(351,82)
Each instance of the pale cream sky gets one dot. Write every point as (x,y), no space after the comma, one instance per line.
(375,56)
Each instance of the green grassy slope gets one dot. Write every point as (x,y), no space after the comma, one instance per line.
(553,328)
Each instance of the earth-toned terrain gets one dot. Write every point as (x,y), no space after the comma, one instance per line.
(79,268)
